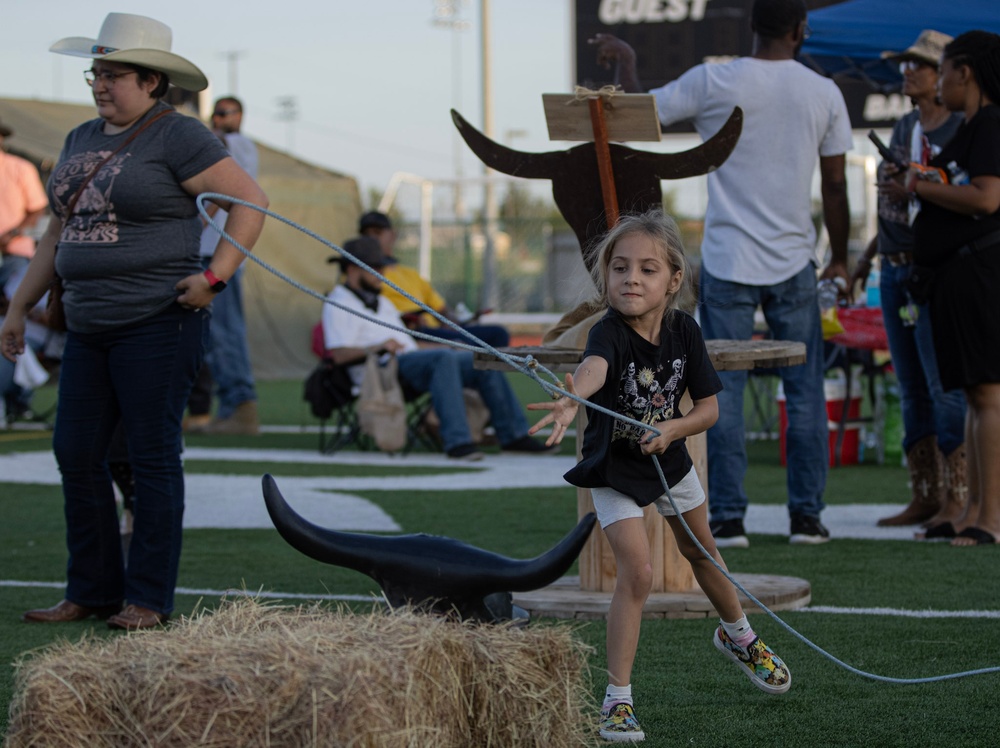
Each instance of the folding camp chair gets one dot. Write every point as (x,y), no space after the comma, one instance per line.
(332,397)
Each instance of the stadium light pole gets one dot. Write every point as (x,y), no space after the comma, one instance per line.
(491,212)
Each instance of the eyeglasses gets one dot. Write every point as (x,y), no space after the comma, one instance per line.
(912,66)
(224,112)
(106,76)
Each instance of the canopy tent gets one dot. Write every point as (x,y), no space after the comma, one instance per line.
(848,38)
(279,318)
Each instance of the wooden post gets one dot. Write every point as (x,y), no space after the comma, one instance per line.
(613,115)
(604,169)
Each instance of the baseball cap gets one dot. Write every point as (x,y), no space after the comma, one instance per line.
(373,219)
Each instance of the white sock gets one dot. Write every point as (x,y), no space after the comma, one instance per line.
(740,631)
(618,695)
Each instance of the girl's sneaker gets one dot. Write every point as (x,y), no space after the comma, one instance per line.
(619,725)
(763,667)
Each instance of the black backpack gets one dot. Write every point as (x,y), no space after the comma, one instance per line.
(328,388)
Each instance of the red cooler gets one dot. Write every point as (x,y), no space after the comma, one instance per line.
(835,391)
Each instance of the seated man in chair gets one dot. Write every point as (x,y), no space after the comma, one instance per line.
(442,371)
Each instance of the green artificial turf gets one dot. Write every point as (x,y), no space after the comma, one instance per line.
(686,692)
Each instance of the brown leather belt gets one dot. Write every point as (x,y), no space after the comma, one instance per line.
(898,259)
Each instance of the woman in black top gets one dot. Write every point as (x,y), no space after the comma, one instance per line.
(957,235)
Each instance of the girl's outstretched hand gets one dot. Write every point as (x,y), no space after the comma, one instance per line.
(562,413)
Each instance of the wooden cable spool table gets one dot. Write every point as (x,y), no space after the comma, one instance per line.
(672,573)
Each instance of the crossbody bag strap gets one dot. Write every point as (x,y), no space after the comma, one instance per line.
(71,206)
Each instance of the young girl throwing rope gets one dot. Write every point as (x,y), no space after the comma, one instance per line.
(640,358)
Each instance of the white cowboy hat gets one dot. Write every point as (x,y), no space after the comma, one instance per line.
(137,40)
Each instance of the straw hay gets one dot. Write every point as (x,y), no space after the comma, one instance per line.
(265,675)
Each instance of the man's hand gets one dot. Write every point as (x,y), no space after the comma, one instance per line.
(611,50)
(390,345)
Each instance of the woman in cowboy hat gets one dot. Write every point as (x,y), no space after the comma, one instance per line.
(127,231)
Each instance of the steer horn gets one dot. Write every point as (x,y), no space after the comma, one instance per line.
(576,188)
(443,574)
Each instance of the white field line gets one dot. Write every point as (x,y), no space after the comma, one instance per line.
(827,609)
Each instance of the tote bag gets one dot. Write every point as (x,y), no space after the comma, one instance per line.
(381,408)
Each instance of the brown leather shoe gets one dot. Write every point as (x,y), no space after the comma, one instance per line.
(134,617)
(66,612)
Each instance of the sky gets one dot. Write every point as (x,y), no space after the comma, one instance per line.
(372,81)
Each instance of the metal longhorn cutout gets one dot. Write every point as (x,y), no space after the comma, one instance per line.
(576,173)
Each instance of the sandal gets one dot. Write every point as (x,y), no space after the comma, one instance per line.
(942,531)
(981,537)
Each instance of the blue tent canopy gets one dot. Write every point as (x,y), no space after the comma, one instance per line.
(849,38)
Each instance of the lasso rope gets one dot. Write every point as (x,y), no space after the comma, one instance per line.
(529,366)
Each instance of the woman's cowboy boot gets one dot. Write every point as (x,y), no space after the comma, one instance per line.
(926,483)
(956,488)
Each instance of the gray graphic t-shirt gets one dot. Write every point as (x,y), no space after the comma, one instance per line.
(135,231)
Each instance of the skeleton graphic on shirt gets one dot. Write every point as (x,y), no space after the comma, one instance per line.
(643,398)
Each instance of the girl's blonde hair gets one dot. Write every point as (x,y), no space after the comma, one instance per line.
(663,230)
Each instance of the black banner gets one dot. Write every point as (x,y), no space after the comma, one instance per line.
(671,36)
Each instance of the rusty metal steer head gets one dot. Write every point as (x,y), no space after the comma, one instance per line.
(576,188)
(435,573)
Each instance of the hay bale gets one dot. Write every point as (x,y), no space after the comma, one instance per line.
(250,674)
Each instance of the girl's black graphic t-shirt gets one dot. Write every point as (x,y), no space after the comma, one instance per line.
(645,382)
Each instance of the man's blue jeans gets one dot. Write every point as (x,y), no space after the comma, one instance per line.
(228,355)
(444,373)
(926,408)
(140,374)
(792,313)
(492,335)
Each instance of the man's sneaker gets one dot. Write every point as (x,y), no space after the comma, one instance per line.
(527,445)
(619,725)
(763,667)
(466,452)
(808,530)
(729,533)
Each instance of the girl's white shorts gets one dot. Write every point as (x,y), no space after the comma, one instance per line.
(612,506)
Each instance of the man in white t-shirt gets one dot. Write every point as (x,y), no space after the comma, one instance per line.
(759,242)
(361,320)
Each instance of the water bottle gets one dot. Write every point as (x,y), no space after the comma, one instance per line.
(893,433)
(957,174)
(827,291)
(873,288)
(462,313)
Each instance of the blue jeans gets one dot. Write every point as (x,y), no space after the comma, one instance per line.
(10,391)
(792,313)
(140,374)
(444,373)
(228,356)
(11,266)
(493,335)
(926,408)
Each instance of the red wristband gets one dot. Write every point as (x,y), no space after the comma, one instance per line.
(214,282)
